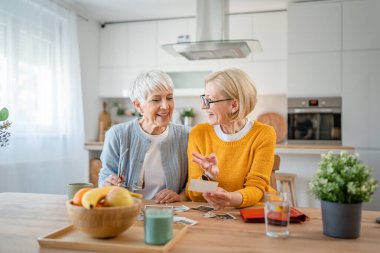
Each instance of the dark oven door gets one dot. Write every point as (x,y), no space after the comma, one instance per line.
(314,125)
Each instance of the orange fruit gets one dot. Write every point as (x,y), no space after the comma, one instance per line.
(77,199)
(100,203)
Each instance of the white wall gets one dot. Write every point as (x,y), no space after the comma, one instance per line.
(88,36)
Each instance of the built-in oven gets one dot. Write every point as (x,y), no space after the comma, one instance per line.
(314,120)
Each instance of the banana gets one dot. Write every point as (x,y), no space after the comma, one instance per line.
(92,197)
(136,195)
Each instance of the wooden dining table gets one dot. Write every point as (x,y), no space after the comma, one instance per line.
(25,217)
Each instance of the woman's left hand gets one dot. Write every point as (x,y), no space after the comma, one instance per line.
(218,199)
(166,196)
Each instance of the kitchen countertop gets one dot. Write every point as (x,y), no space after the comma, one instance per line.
(280,148)
(311,149)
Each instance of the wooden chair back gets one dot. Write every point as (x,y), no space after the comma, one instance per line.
(276,166)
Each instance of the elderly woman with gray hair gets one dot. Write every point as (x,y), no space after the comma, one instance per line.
(151,151)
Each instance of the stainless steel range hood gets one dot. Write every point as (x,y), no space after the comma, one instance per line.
(212,36)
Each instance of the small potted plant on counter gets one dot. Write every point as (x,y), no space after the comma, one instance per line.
(187,115)
(342,182)
(4,125)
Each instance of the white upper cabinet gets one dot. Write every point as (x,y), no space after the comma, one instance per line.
(240,27)
(314,59)
(314,74)
(271,30)
(113,45)
(128,45)
(314,26)
(361,24)
(141,41)
(167,33)
(361,90)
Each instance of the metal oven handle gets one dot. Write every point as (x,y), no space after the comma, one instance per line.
(314,110)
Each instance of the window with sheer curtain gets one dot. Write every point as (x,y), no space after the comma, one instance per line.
(40,85)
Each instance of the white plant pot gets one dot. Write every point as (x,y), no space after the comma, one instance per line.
(188,121)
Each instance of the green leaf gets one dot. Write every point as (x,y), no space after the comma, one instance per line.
(343,178)
(4,113)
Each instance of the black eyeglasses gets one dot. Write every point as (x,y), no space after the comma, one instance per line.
(207,102)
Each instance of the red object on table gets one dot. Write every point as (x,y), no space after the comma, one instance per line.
(256,215)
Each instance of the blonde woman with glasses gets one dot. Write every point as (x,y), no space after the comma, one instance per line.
(231,149)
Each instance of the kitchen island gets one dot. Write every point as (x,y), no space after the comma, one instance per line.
(25,217)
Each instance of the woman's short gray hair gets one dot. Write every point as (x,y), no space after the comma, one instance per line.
(148,82)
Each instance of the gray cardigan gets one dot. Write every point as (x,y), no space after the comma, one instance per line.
(129,136)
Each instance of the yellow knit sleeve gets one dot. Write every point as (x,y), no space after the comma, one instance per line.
(257,179)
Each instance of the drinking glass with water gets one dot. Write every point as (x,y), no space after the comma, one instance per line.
(277,214)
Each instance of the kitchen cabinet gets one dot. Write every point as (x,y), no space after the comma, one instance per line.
(113,46)
(361,21)
(131,45)
(125,50)
(314,74)
(314,27)
(314,59)
(271,29)
(361,90)
(141,45)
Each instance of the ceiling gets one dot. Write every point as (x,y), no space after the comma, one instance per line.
(131,10)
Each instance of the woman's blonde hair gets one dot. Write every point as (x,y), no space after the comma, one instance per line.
(148,82)
(236,84)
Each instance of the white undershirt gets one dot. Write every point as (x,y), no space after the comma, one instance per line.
(152,177)
(236,136)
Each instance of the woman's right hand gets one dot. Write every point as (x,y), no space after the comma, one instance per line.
(113,180)
(208,163)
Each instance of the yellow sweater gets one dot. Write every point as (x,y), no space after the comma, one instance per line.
(244,165)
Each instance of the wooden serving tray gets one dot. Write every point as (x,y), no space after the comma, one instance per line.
(132,239)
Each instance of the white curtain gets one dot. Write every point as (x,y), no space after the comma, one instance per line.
(40,85)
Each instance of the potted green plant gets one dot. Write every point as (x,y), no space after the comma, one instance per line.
(342,182)
(187,115)
(4,125)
